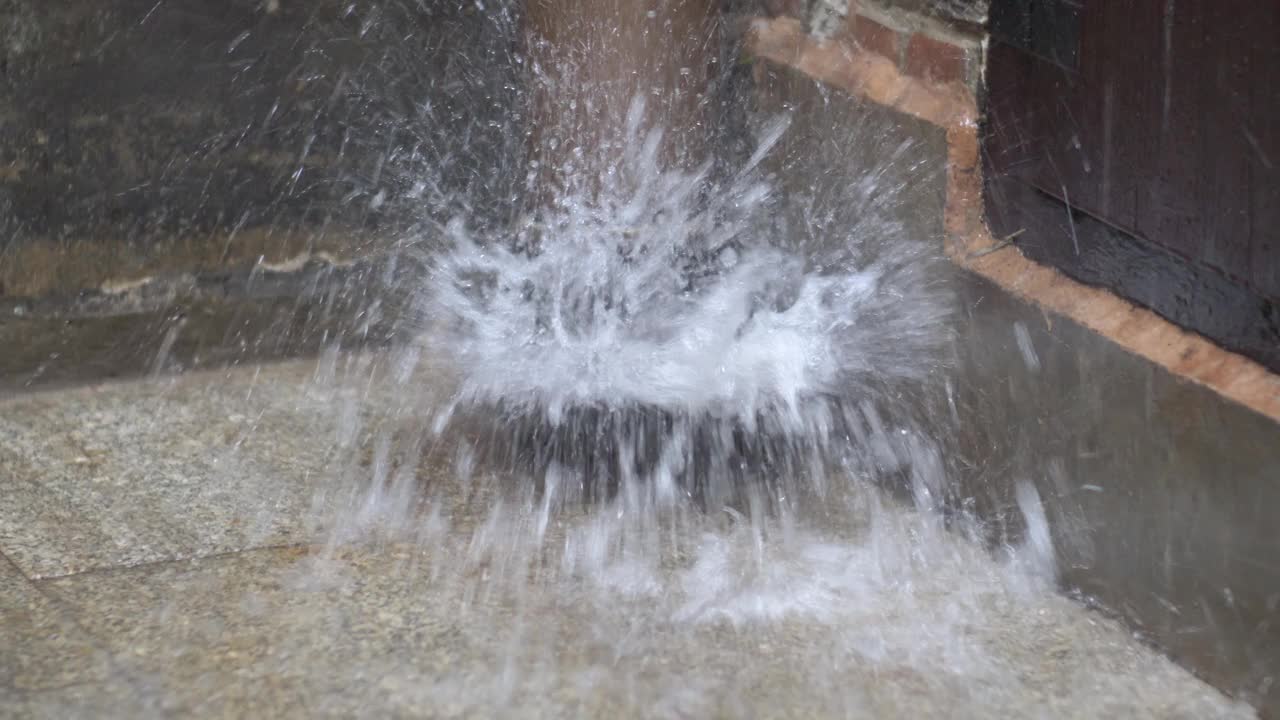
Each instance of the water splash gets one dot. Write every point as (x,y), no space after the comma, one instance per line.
(676,399)
(661,331)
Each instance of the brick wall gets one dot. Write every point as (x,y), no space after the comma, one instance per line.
(937,41)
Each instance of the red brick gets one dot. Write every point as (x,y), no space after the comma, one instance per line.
(935,59)
(784,8)
(874,37)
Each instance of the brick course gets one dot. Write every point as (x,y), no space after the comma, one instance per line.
(919,45)
(874,37)
(935,60)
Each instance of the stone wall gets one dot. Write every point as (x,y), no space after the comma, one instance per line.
(936,40)
(145,138)
(156,158)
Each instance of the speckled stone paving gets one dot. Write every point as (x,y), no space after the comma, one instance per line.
(160,559)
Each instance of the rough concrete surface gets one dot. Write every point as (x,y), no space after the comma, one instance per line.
(155,564)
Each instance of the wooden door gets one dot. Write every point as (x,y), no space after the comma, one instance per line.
(1136,145)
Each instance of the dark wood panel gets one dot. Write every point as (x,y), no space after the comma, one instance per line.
(1262,133)
(1172,218)
(1115,93)
(1193,296)
(1162,129)
(1225,77)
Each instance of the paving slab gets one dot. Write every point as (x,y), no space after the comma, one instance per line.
(126,473)
(43,648)
(394,631)
(147,524)
(88,701)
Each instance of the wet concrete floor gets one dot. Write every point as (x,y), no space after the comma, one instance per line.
(161,555)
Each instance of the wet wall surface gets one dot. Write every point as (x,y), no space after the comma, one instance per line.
(1131,146)
(188,158)
(179,158)
(1160,494)
(200,133)
(874,173)
(282,315)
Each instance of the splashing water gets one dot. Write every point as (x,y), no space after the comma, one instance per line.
(665,328)
(672,395)
(676,443)
(653,353)
(658,419)
(674,298)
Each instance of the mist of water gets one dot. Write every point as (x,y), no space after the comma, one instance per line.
(655,400)
(653,382)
